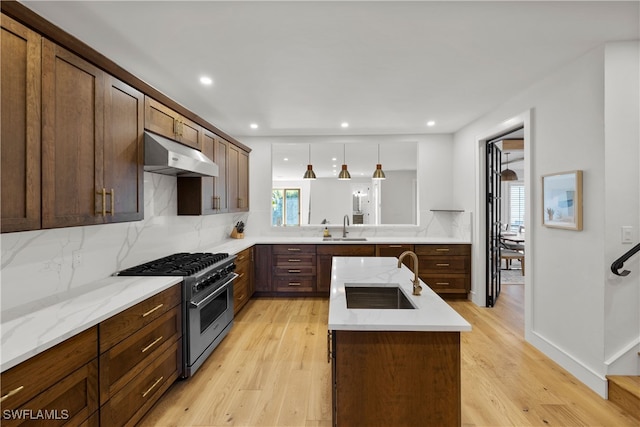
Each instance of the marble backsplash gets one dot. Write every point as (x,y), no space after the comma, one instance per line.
(38,266)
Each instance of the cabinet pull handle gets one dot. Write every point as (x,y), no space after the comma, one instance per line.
(294,249)
(442,265)
(328,346)
(157,307)
(395,246)
(240,275)
(294,284)
(442,249)
(112,195)
(294,260)
(152,387)
(103,193)
(175,128)
(240,258)
(442,283)
(11,393)
(156,341)
(294,271)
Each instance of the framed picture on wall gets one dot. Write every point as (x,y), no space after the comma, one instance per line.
(562,200)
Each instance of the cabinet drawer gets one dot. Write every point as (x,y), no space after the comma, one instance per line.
(298,270)
(447,284)
(295,284)
(126,359)
(120,326)
(452,264)
(294,249)
(71,400)
(294,261)
(443,250)
(26,380)
(347,250)
(240,295)
(128,406)
(244,257)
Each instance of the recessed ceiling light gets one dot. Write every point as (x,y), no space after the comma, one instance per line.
(431,123)
(254,126)
(335,166)
(206,80)
(333,159)
(344,124)
(286,159)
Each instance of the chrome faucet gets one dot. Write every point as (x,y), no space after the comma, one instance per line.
(416,282)
(345,222)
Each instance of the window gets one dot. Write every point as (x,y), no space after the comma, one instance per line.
(516,205)
(286,206)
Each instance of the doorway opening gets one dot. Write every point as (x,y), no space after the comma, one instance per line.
(504,212)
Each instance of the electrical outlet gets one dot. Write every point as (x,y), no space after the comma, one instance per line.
(76,259)
(627,230)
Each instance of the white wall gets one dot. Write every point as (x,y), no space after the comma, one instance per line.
(622,182)
(398,195)
(565,290)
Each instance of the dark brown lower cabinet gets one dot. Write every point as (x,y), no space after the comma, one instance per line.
(389,378)
(324,255)
(62,382)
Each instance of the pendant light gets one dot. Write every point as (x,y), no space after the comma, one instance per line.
(344,173)
(309,174)
(378,173)
(507,174)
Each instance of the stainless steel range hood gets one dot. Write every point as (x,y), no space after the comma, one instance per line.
(167,157)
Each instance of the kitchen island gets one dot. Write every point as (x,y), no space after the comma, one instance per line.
(392,366)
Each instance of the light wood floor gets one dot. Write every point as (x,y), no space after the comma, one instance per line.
(272,370)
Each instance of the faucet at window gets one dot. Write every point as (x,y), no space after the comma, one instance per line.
(416,282)
(345,222)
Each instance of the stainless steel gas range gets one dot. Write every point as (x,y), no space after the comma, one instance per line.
(207,314)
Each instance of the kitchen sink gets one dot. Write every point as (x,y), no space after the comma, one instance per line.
(344,239)
(376,297)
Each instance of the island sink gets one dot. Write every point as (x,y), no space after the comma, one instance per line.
(376,297)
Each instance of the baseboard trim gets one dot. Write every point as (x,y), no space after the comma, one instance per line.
(586,375)
(625,361)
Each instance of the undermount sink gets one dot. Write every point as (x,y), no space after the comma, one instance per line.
(376,297)
(344,239)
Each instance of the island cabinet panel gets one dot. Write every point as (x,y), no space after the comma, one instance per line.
(243,285)
(140,357)
(20,92)
(446,268)
(62,380)
(324,255)
(383,378)
(166,122)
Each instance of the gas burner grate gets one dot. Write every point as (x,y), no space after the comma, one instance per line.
(179,264)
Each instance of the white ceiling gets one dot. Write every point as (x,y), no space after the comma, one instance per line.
(302,68)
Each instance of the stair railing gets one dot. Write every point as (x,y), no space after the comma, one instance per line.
(619,263)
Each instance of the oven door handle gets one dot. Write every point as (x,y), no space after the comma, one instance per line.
(215,293)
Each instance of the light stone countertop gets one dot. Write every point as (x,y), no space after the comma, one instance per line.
(432,313)
(23,335)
